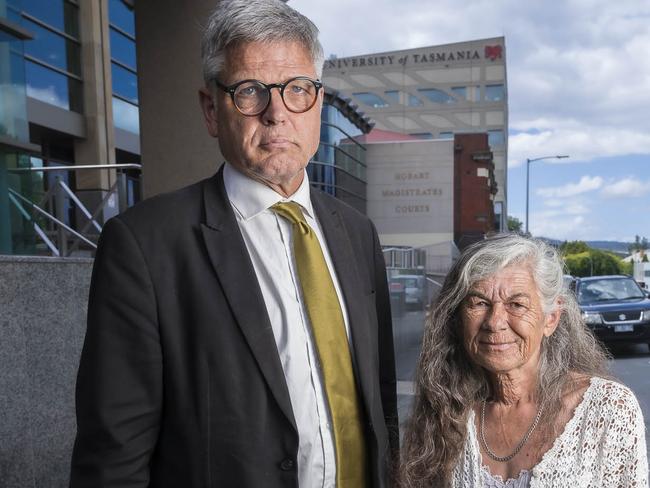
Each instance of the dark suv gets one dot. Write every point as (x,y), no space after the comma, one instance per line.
(615,308)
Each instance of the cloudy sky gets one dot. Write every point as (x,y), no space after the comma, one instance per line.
(579,84)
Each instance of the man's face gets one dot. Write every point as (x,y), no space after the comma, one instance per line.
(275,146)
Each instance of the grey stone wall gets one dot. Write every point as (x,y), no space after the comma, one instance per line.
(42,326)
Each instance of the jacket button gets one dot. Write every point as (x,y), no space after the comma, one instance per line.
(287,465)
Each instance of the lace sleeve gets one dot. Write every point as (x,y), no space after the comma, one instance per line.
(625,462)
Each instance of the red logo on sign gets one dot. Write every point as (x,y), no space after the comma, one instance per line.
(493,52)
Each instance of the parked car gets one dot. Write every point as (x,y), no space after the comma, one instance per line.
(415,289)
(397,297)
(568,281)
(615,308)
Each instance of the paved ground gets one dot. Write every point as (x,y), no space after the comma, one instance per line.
(631,364)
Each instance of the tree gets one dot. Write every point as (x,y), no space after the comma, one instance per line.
(514,224)
(594,262)
(574,247)
(639,245)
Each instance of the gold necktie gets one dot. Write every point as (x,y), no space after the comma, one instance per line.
(328,329)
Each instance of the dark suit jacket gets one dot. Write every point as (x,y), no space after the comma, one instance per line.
(180,382)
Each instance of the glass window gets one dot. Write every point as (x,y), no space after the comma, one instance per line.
(422,135)
(13,111)
(495,137)
(371,100)
(126,116)
(53,49)
(414,101)
(51,87)
(446,135)
(13,12)
(122,49)
(436,96)
(460,92)
(393,95)
(404,98)
(121,16)
(59,14)
(494,93)
(125,83)
(498,216)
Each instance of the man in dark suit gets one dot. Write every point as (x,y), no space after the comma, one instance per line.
(239,329)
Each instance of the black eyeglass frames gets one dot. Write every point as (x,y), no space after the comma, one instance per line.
(252,97)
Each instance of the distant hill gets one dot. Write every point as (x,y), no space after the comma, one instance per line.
(613,246)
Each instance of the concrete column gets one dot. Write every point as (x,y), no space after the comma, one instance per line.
(175,146)
(99,145)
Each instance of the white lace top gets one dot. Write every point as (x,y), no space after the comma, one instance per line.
(490,480)
(602,446)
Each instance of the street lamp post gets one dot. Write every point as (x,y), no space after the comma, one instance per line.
(528,161)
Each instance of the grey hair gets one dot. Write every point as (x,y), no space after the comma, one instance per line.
(449,384)
(241,21)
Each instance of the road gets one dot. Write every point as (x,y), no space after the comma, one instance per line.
(630,364)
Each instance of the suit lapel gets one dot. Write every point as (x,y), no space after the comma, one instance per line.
(231,262)
(345,265)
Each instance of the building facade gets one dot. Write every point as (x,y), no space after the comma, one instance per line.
(430,195)
(434,93)
(70,124)
(70,100)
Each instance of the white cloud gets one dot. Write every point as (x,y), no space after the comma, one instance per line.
(586,183)
(561,227)
(580,142)
(578,73)
(627,187)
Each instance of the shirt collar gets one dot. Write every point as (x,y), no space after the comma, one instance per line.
(250,197)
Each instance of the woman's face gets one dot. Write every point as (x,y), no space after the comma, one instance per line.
(503,321)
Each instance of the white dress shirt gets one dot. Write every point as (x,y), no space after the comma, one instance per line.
(268,240)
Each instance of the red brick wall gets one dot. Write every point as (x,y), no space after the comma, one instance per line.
(473,207)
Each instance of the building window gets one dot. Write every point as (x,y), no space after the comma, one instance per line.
(371,100)
(460,92)
(124,67)
(498,216)
(52,87)
(53,57)
(495,138)
(436,96)
(494,93)
(62,15)
(422,135)
(446,135)
(403,98)
(126,115)
(125,83)
(53,49)
(121,17)
(122,49)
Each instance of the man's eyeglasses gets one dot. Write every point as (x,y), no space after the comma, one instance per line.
(252,97)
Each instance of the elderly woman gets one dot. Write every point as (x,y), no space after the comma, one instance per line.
(512,388)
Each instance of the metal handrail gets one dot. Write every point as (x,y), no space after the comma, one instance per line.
(75,167)
(351,138)
(316,162)
(51,205)
(52,218)
(338,148)
(41,233)
(80,205)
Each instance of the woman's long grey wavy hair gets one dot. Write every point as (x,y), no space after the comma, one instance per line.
(448,384)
